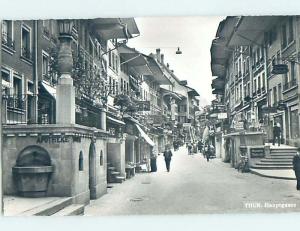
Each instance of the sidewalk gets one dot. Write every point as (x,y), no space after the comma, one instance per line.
(286,174)
(14,205)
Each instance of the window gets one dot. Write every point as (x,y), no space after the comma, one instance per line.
(254,86)
(5,75)
(275,95)
(114,87)
(263,81)
(127,84)
(293,71)
(279,92)
(25,43)
(259,83)
(121,85)
(248,88)
(283,36)
(80,161)
(45,66)
(109,58)
(17,86)
(101,158)
(7,34)
(291,33)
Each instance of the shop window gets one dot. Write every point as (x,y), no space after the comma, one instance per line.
(101,158)
(294,124)
(80,161)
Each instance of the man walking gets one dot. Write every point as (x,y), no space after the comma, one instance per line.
(276,133)
(168,157)
(296,167)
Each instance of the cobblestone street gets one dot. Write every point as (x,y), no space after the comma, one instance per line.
(195,186)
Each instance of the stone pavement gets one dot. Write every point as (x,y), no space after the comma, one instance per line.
(195,186)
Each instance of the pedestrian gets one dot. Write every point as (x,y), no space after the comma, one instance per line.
(190,147)
(200,146)
(276,133)
(168,156)
(296,167)
(208,153)
(153,157)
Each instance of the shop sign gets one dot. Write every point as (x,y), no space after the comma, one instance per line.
(257,152)
(143,105)
(222,115)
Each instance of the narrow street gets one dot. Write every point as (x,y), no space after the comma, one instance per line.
(195,186)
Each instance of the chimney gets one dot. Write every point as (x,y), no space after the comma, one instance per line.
(172,71)
(162,58)
(158,54)
(168,65)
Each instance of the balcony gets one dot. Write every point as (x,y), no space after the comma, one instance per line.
(290,84)
(8,42)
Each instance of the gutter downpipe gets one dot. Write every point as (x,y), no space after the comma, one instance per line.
(36,78)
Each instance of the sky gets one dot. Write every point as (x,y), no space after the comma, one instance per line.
(193,35)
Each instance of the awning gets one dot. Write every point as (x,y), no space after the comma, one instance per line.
(192,91)
(157,72)
(51,90)
(135,60)
(111,28)
(226,27)
(218,70)
(116,121)
(250,29)
(145,136)
(219,52)
(173,94)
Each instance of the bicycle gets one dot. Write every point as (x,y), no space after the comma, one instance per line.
(243,164)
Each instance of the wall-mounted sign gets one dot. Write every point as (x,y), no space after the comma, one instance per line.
(52,139)
(257,152)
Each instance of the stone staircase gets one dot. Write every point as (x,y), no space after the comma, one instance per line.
(280,158)
(114,176)
(58,207)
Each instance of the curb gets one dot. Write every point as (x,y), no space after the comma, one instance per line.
(271,176)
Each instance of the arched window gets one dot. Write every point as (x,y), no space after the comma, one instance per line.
(101,158)
(80,163)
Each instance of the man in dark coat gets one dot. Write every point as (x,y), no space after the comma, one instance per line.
(296,167)
(276,133)
(168,157)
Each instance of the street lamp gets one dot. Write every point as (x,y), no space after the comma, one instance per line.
(65,60)
(178,52)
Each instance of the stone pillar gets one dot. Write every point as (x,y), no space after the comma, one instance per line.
(65,92)
(103,119)
(65,101)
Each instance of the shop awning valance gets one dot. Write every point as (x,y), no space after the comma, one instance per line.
(51,90)
(144,135)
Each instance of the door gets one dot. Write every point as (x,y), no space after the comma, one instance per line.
(92,170)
